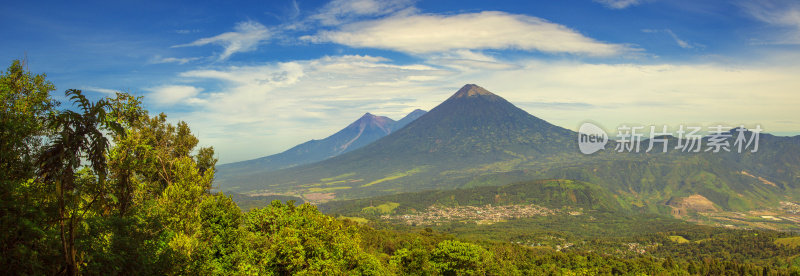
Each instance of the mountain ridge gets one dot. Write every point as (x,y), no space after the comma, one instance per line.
(473,90)
(473,127)
(363,131)
(476,138)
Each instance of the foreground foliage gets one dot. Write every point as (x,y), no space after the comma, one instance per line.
(105,188)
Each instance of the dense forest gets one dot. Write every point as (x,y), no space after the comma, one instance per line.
(102,187)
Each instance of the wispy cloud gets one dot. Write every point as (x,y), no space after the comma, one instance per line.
(397,25)
(428,33)
(688,93)
(187,31)
(555,105)
(159,59)
(266,107)
(246,37)
(286,103)
(99,90)
(467,60)
(174,94)
(290,102)
(781,14)
(338,11)
(295,9)
(681,43)
(619,4)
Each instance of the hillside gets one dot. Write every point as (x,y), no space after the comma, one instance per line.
(476,138)
(555,193)
(362,132)
(473,129)
(732,181)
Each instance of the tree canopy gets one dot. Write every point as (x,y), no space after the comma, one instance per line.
(102,187)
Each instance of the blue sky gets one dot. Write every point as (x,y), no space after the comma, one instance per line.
(254,78)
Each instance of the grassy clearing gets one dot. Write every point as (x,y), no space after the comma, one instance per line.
(678,239)
(317,190)
(396,176)
(338,177)
(356,219)
(335,182)
(501,166)
(790,241)
(383,209)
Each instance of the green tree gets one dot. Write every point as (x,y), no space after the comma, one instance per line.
(414,260)
(155,179)
(205,159)
(452,257)
(129,153)
(26,205)
(180,209)
(160,193)
(79,138)
(220,221)
(25,104)
(286,240)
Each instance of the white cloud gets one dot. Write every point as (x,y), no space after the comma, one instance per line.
(293,89)
(245,37)
(291,102)
(614,94)
(253,111)
(174,94)
(782,14)
(619,4)
(681,43)
(426,33)
(159,59)
(339,11)
(100,90)
(466,60)
(187,31)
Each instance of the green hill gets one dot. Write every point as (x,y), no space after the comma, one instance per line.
(363,131)
(556,193)
(471,133)
(476,138)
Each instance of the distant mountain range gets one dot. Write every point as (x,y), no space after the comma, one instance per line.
(472,129)
(363,131)
(476,138)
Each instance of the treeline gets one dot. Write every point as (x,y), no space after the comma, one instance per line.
(415,253)
(101,187)
(645,238)
(248,202)
(550,193)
